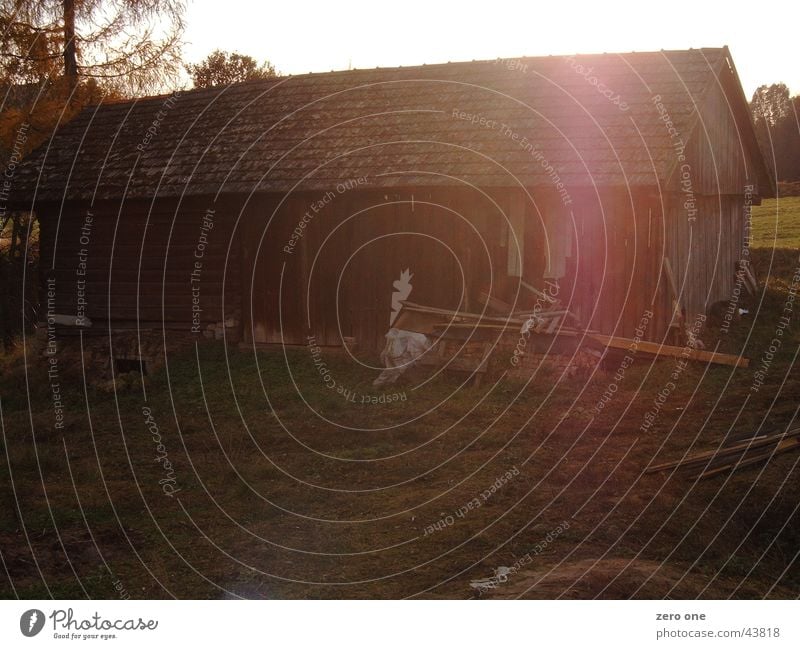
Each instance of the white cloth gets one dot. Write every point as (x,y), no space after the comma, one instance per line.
(401,351)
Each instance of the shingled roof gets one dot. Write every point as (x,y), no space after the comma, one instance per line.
(491,123)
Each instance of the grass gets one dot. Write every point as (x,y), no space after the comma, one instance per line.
(287,489)
(776,223)
(260,493)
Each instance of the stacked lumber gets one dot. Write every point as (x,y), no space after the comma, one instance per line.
(734,456)
(547,321)
(427,320)
(547,318)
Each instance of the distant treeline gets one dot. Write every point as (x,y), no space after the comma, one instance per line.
(775,114)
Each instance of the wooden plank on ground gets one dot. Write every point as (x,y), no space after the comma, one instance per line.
(783,447)
(722,452)
(657,349)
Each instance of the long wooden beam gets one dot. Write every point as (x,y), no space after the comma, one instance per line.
(668,350)
(724,452)
(782,447)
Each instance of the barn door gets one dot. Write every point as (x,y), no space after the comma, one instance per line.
(356,256)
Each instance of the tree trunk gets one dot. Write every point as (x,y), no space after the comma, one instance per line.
(70,55)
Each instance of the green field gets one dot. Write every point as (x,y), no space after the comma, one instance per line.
(776,223)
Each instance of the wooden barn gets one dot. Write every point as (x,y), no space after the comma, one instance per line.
(278,210)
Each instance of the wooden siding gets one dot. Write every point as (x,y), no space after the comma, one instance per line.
(613,272)
(704,252)
(338,279)
(139,262)
(719,154)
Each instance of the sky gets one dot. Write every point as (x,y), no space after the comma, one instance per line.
(314,36)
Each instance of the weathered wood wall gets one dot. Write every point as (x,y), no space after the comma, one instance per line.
(337,281)
(705,252)
(613,267)
(138,261)
(707,201)
(718,152)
